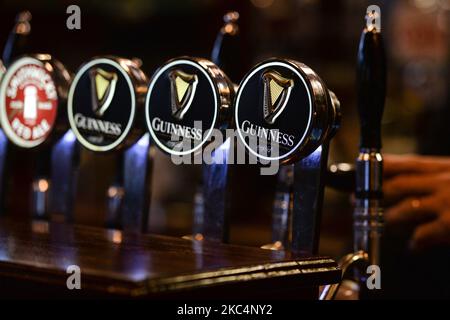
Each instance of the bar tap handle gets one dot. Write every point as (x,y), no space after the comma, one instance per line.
(371,84)
(281,211)
(15,45)
(368,213)
(17,41)
(210,215)
(371,88)
(226,45)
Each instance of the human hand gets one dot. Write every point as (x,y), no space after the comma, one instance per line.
(417,190)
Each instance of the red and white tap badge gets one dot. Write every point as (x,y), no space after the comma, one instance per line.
(29,103)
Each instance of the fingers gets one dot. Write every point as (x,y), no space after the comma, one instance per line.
(405,186)
(408,185)
(419,187)
(432,234)
(404,164)
(412,210)
(432,214)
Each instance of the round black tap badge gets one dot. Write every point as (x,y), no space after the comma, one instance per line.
(273,111)
(182,105)
(101,105)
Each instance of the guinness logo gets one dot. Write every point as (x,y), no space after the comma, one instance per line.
(277,91)
(283,90)
(183,87)
(102,104)
(103,87)
(170,96)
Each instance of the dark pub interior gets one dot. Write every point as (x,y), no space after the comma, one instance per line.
(227,149)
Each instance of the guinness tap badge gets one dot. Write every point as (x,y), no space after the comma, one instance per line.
(283,111)
(183,103)
(182,86)
(103,101)
(103,88)
(277,91)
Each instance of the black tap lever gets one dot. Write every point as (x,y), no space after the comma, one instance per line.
(18,38)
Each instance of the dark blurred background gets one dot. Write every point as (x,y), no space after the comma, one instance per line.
(322,34)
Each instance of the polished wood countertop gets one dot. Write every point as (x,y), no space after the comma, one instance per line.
(35,255)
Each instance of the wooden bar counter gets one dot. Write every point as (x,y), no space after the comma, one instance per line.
(34,257)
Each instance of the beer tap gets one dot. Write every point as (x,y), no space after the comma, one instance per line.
(286,116)
(15,45)
(105,111)
(18,38)
(40,125)
(368,212)
(216,176)
(282,209)
(369,165)
(189,99)
(227,44)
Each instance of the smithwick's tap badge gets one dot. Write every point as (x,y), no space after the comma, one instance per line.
(28,102)
(103,102)
(283,111)
(186,99)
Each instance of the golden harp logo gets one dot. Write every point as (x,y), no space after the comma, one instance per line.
(276,95)
(103,87)
(182,86)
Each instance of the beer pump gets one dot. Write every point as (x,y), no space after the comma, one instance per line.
(216,176)
(18,39)
(188,98)
(285,115)
(14,46)
(368,212)
(105,111)
(33,95)
(282,210)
